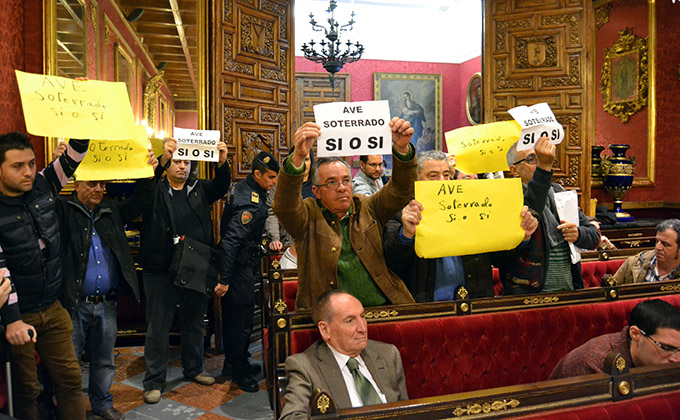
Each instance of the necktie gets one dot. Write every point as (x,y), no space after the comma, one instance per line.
(366,391)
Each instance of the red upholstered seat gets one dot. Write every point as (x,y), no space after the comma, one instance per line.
(592,274)
(592,277)
(289,293)
(594,270)
(664,406)
(467,353)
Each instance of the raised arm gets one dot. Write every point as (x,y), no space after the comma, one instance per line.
(60,170)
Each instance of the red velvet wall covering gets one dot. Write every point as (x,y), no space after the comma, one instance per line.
(608,128)
(20,49)
(666,187)
(455,78)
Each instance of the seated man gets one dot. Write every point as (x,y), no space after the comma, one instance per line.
(661,263)
(338,236)
(547,266)
(354,370)
(436,279)
(652,337)
(368,180)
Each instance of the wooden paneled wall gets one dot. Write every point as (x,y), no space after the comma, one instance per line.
(539,51)
(252,77)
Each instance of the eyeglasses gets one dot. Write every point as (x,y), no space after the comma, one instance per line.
(530,159)
(376,165)
(667,349)
(334,185)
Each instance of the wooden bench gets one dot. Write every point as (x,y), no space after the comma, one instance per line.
(648,393)
(443,353)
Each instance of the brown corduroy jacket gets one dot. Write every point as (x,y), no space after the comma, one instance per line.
(319,241)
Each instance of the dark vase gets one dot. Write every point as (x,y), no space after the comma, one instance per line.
(596,172)
(618,172)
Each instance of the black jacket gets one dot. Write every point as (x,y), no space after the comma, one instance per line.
(419,273)
(156,234)
(242,224)
(110,216)
(528,274)
(30,237)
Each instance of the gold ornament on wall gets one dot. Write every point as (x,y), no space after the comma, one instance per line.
(625,76)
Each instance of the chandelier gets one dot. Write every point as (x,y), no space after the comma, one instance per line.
(330,55)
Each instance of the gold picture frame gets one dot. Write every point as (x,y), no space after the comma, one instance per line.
(473,99)
(625,74)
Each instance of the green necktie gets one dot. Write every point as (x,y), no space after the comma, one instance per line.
(366,391)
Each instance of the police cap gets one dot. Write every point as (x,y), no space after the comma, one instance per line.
(267,160)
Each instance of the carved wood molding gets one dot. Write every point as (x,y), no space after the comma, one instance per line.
(252,78)
(539,53)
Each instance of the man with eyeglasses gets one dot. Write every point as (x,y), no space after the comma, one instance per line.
(547,266)
(338,235)
(438,279)
(97,267)
(652,337)
(368,180)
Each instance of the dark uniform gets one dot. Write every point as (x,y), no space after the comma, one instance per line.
(242,224)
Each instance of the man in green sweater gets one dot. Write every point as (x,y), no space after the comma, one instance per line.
(338,235)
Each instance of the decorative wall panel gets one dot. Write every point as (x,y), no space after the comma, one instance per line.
(537,51)
(251,78)
(315,88)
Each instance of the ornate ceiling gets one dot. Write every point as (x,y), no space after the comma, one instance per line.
(168,30)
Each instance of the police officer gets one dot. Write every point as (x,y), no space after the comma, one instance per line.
(242,226)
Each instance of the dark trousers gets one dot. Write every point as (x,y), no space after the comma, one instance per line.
(238,306)
(163,299)
(55,347)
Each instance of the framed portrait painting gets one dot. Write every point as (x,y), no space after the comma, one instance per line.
(473,99)
(417,98)
(625,76)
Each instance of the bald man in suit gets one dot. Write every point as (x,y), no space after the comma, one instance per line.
(324,365)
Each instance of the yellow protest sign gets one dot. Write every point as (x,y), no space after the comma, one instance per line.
(156,146)
(482,148)
(468,217)
(83,109)
(116,159)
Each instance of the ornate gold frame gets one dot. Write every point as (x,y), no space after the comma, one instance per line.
(648,180)
(202,97)
(627,47)
(468,99)
(121,53)
(50,52)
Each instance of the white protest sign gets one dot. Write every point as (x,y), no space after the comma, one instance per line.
(536,121)
(354,128)
(566,203)
(196,144)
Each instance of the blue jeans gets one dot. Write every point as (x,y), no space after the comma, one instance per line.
(163,299)
(95,326)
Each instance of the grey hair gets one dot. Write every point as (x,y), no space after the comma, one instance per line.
(326,160)
(430,155)
(670,224)
(512,154)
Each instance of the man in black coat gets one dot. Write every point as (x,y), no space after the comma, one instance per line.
(242,226)
(31,242)
(98,265)
(180,208)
